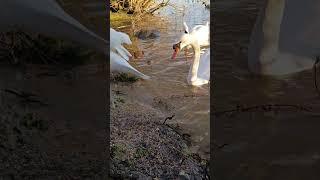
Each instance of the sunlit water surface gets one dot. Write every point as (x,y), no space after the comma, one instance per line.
(190,105)
(262,143)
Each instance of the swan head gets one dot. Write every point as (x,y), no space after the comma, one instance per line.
(185,41)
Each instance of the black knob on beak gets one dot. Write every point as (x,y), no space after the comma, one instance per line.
(175,46)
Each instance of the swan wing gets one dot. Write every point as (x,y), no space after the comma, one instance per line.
(198,27)
(202,34)
(116,41)
(47,17)
(124,53)
(118,64)
(119,38)
(124,38)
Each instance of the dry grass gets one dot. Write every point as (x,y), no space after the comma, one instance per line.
(138,6)
(131,24)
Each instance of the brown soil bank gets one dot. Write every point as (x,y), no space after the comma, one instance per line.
(52,127)
(144,147)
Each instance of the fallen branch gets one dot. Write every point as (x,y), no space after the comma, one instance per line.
(168,118)
(265,107)
(315,74)
(26,97)
(159,6)
(22,94)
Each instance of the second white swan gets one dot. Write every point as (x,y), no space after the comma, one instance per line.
(199,73)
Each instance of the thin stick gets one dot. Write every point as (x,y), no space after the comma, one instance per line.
(315,74)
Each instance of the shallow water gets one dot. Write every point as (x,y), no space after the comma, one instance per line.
(190,105)
(90,13)
(254,140)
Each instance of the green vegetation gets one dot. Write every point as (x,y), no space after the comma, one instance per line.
(142,152)
(32,121)
(118,151)
(123,77)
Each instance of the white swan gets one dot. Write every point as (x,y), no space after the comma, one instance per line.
(119,55)
(199,73)
(48,18)
(203,72)
(199,32)
(116,41)
(285,38)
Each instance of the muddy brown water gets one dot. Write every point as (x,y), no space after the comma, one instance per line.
(279,143)
(76,97)
(168,90)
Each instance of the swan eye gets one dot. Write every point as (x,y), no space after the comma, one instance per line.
(186,32)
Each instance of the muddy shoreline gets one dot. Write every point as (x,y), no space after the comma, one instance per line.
(143,144)
(154,126)
(39,140)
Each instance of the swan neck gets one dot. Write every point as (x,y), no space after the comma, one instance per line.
(196,61)
(271,29)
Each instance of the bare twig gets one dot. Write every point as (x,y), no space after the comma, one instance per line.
(159,6)
(265,107)
(168,118)
(315,73)
(26,97)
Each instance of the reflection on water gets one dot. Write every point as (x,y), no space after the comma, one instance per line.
(256,139)
(169,77)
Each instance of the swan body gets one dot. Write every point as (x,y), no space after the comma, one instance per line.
(199,73)
(48,18)
(203,73)
(119,64)
(116,41)
(199,32)
(119,56)
(280,42)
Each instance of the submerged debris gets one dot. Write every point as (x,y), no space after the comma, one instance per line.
(147,34)
(20,47)
(123,77)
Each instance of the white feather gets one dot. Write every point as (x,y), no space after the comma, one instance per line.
(199,73)
(119,55)
(46,17)
(116,41)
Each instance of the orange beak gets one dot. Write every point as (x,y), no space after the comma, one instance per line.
(176,48)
